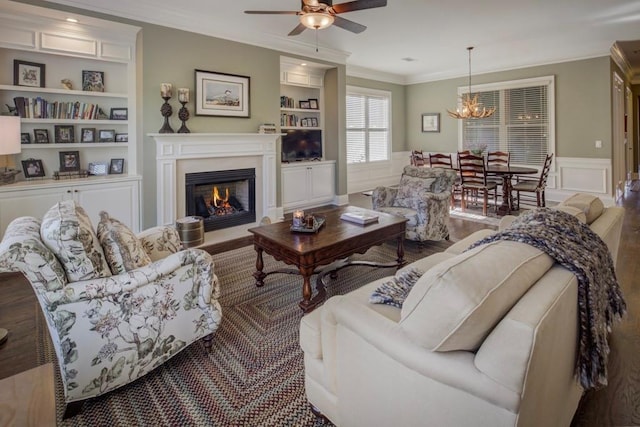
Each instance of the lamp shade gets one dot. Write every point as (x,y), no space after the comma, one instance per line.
(316,20)
(10,135)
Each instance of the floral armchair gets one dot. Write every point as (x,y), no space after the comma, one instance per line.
(423,197)
(117,305)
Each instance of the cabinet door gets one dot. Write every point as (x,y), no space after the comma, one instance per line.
(295,190)
(119,200)
(34,203)
(321,180)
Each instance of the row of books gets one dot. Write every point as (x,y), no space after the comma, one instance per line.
(294,120)
(287,102)
(39,108)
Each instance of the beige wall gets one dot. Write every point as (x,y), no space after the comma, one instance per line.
(583,107)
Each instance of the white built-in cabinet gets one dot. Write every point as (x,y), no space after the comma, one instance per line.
(308,184)
(65,49)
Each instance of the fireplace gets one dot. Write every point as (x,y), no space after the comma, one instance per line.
(223,198)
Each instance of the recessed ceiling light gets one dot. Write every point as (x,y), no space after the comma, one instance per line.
(72,20)
(409,59)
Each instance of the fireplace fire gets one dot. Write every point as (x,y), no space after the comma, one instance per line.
(222,198)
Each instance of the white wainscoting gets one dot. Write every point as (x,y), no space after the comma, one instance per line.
(363,177)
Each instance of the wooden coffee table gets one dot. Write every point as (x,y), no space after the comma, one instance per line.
(336,240)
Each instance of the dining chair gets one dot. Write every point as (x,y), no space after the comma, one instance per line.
(417,158)
(473,177)
(441,160)
(536,186)
(498,158)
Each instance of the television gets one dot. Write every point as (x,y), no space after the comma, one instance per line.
(301,144)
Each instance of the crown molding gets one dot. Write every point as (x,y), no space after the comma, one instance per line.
(367,73)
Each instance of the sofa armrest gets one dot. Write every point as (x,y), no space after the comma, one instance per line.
(160,241)
(383,196)
(454,369)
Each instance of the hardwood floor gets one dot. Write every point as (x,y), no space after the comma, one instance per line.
(616,405)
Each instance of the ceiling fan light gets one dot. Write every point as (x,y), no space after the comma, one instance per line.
(316,20)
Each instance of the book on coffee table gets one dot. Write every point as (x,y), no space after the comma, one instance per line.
(359,217)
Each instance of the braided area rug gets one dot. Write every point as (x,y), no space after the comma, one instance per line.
(254,375)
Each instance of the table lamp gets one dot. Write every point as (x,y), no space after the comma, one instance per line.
(9,144)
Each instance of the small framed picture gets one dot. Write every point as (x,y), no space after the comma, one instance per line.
(313,103)
(25,138)
(304,123)
(28,73)
(88,135)
(32,168)
(119,114)
(314,122)
(116,166)
(220,94)
(98,168)
(93,81)
(41,136)
(107,135)
(431,122)
(69,161)
(122,137)
(304,105)
(64,134)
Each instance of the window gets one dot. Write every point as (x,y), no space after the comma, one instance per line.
(522,124)
(368,133)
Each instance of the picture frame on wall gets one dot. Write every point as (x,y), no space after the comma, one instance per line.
(33,168)
(117,166)
(221,94)
(93,81)
(69,161)
(28,73)
(41,136)
(431,122)
(64,134)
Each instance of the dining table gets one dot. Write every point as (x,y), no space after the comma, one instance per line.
(506,173)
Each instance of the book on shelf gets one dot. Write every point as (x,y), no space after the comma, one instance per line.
(359,217)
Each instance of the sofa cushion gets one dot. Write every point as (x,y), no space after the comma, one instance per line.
(592,206)
(123,250)
(67,231)
(22,250)
(393,292)
(454,305)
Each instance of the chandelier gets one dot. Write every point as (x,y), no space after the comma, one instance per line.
(471,108)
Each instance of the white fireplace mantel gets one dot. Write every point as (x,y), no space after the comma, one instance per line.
(172,148)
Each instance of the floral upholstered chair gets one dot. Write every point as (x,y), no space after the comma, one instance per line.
(117,305)
(423,197)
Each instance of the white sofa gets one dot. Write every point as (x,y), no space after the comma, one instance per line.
(367,365)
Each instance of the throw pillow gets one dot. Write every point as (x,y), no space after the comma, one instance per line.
(123,250)
(67,231)
(395,291)
(592,206)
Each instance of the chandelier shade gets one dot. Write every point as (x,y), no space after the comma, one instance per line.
(316,20)
(470,107)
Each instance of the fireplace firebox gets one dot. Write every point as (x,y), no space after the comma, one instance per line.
(223,198)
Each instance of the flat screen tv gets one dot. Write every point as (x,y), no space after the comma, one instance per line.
(298,145)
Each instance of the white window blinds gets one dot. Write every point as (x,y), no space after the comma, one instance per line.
(367,126)
(521,125)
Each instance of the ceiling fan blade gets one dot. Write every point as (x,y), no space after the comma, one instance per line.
(345,24)
(297,30)
(358,5)
(272,12)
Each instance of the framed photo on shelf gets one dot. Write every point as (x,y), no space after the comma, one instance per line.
(304,105)
(116,166)
(220,94)
(69,161)
(93,81)
(88,135)
(98,168)
(304,123)
(119,114)
(313,103)
(314,122)
(122,137)
(431,122)
(25,138)
(32,168)
(107,135)
(28,73)
(64,134)
(41,136)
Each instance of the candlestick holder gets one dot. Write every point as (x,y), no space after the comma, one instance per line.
(183,114)
(166,112)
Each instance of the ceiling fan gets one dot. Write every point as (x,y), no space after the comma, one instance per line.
(317,15)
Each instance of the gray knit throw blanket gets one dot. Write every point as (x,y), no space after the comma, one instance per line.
(575,246)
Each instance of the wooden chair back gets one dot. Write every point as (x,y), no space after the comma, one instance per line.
(417,158)
(472,170)
(544,173)
(501,158)
(439,160)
